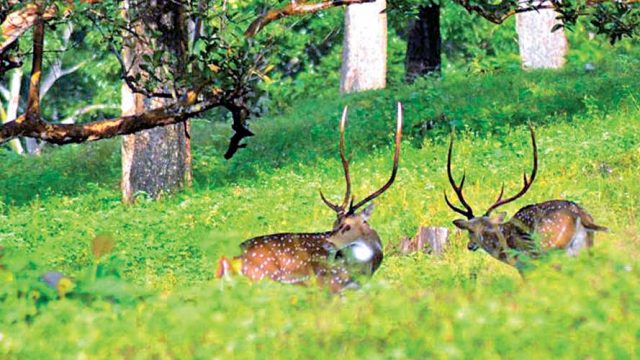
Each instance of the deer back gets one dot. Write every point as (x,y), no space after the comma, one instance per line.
(286,257)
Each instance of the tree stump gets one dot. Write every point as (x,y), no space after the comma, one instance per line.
(432,240)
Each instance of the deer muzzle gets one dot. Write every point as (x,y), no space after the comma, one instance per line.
(473,246)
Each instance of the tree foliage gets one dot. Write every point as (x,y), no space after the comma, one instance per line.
(613,19)
(222,65)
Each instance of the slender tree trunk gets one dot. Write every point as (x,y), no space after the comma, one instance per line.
(158,160)
(364,55)
(55,73)
(424,43)
(12,106)
(539,47)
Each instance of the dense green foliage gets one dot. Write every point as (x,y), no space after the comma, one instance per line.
(155,295)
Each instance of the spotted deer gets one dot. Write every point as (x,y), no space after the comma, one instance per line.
(554,224)
(331,258)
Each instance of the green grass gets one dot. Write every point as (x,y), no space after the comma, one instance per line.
(155,296)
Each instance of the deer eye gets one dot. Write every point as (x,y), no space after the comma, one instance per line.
(346,228)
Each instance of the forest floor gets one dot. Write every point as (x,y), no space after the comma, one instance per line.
(155,295)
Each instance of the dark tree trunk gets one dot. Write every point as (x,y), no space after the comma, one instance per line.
(158,160)
(423,43)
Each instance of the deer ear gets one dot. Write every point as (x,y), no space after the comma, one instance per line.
(461,224)
(366,213)
(498,218)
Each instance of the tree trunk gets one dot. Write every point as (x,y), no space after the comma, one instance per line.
(364,55)
(12,106)
(539,47)
(424,43)
(158,160)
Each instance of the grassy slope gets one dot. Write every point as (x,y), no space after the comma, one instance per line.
(464,305)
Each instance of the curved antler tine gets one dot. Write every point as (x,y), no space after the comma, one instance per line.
(396,160)
(453,207)
(340,209)
(343,157)
(468,212)
(502,189)
(526,181)
(535,153)
(333,206)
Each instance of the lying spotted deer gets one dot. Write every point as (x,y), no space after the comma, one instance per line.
(330,258)
(552,224)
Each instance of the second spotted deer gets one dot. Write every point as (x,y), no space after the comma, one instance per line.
(534,228)
(333,258)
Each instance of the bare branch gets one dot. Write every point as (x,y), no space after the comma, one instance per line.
(6,94)
(56,73)
(71,119)
(295,9)
(241,132)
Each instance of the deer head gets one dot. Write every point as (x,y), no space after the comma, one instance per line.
(487,230)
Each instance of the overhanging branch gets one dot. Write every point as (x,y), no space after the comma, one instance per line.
(77,133)
(497,13)
(240,115)
(295,9)
(19,21)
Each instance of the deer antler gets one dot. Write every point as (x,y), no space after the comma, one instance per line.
(340,209)
(527,181)
(396,159)
(457,188)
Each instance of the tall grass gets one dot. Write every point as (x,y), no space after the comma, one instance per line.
(155,295)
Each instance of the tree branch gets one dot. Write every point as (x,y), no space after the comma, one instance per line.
(77,133)
(295,9)
(56,72)
(498,13)
(71,119)
(6,94)
(19,21)
(240,115)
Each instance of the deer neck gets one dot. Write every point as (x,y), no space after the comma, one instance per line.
(507,237)
(362,252)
